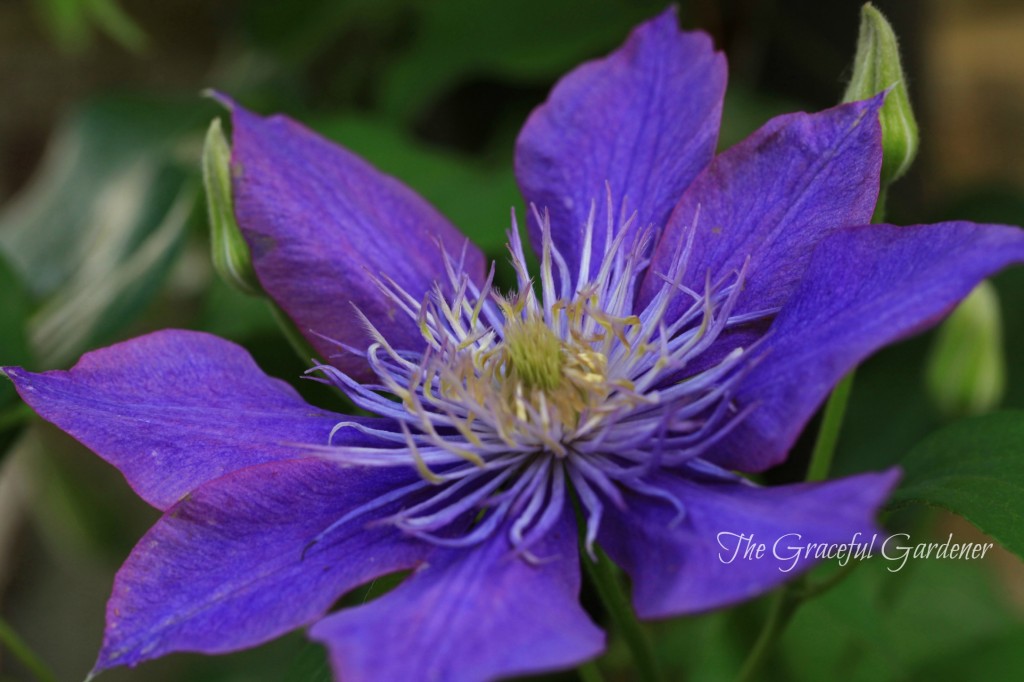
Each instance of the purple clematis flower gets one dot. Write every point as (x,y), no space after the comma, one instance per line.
(690,314)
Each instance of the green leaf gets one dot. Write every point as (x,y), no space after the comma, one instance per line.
(522,40)
(988,659)
(880,626)
(14,313)
(98,227)
(975,468)
(71,23)
(96,164)
(14,349)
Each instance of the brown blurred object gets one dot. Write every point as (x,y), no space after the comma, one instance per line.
(974,92)
(973,96)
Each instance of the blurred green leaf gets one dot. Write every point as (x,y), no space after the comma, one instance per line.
(98,226)
(94,167)
(476,200)
(1000,657)
(300,31)
(14,313)
(71,23)
(112,20)
(975,468)
(229,313)
(888,411)
(15,306)
(881,626)
(521,40)
(745,110)
(67,21)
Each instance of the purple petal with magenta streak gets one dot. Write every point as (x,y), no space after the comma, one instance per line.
(865,287)
(237,562)
(322,223)
(642,121)
(771,199)
(174,409)
(471,614)
(682,565)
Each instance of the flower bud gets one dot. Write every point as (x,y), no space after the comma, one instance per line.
(876,67)
(231,258)
(966,367)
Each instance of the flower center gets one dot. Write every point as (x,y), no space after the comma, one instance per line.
(539,379)
(576,382)
(532,356)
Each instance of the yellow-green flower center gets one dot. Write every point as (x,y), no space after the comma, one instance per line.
(534,354)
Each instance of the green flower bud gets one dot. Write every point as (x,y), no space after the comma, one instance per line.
(231,258)
(876,67)
(966,367)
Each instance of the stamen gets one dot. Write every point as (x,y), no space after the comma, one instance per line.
(511,398)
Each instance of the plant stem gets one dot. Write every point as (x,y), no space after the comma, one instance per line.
(783,606)
(828,434)
(16,645)
(609,588)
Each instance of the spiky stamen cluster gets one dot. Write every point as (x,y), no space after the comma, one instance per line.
(514,395)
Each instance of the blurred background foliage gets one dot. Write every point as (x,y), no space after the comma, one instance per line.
(103,236)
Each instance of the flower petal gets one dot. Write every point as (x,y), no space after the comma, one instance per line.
(174,409)
(865,287)
(471,614)
(642,121)
(685,566)
(231,565)
(322,222)
(771,198)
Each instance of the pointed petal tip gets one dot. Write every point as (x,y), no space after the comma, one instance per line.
(602,126)
(221,98)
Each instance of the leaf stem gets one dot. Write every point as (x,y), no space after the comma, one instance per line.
(784,604)
(828,434)
(17,646)
(605,579)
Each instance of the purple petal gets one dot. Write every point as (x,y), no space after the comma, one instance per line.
(471,614)
(643,120)
(772,197)
(231,566)
(321,222)
(865,287)
(174,409)
(688,565)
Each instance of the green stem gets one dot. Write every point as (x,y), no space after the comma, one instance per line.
(783,606)
(296,340)
(609,588)
(809,591)
(16,645)
(828,434)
